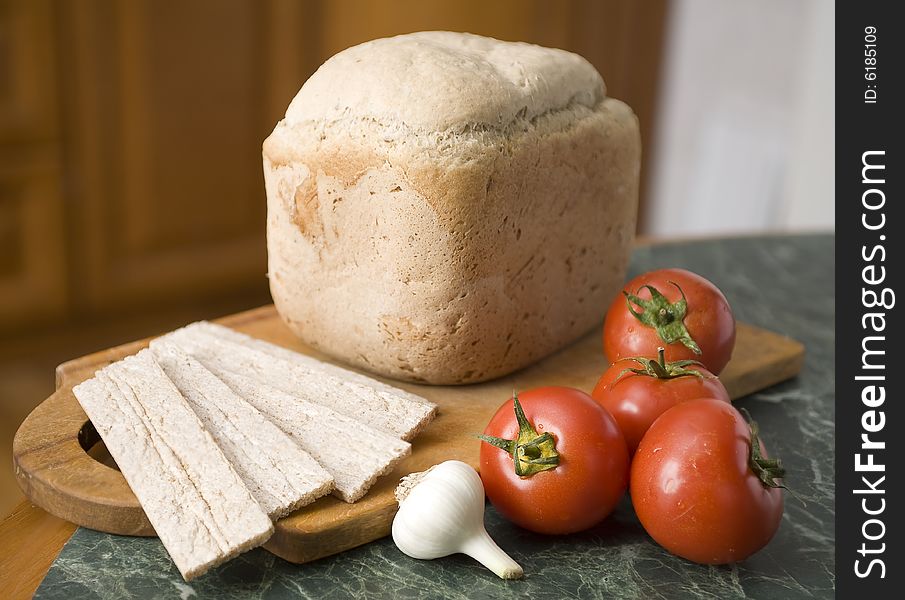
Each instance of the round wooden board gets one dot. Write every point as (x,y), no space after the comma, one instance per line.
(57,472)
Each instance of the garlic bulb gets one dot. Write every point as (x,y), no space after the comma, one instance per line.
(441,512)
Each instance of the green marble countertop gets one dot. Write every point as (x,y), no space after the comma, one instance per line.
(764,279)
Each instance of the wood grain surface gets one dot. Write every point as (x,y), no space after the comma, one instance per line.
(30,540)
(62,467)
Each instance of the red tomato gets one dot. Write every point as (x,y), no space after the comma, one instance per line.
(694,489)
(703,320)
(580,468)
(636,398)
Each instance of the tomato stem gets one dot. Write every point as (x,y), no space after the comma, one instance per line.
(531,452)
(660,369)
(768,470)
(668,319)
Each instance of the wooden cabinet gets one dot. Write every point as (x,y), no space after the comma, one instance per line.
(130,131)
(166,118)
(32,259)
(32,253)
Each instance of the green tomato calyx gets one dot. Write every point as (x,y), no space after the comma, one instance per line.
(531,452)
(668,319)
(768,470)
(658,368)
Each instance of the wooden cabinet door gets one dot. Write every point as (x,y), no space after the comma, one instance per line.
(32,263)
(32,250)
(165,121)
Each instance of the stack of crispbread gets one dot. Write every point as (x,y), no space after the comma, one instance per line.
(217,433)
(384,407)
(354,453)
(280,475)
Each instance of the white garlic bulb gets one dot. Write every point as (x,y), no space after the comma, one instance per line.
(441,512)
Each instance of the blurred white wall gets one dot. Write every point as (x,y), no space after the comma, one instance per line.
(746,122)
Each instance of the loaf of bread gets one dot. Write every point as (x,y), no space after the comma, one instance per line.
(447,208)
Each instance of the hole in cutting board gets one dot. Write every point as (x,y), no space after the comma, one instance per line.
(91,442)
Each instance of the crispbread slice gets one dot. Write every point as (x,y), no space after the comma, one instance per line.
(354,453)
(278,473)
(390,409)
(197,503)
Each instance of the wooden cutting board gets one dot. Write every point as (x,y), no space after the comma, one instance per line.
(63,467)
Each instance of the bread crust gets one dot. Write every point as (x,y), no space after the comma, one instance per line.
(434,81)
(453,255)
